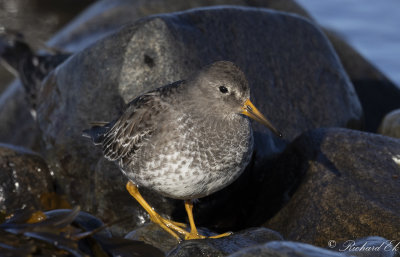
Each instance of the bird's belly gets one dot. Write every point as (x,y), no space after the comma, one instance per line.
(191,168)
(181,176)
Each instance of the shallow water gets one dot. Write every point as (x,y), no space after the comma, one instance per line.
(372,27)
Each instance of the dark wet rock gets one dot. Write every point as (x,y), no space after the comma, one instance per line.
(294,249)
(24,179)
(65,232)
(390,125)
(348,185)
(154,235)
(95,84)
(16,123)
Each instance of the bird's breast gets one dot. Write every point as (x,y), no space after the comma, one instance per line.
(192,159)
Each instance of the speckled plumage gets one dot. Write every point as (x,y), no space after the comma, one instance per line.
(185,140)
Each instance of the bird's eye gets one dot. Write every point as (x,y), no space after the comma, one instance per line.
(223,89)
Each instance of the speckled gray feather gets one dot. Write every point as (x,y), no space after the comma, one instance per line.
(185,140)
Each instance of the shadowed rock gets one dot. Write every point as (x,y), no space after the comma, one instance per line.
(349,187)
(24,179)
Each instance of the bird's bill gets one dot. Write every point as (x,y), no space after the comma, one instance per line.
(251,111)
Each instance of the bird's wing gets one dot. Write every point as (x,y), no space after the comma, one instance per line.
(132,127)
(136,124)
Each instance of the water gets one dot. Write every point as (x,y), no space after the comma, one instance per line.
(370,26)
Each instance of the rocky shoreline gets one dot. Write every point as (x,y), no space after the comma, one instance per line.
(330,187)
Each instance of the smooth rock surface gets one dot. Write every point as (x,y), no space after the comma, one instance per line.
(390,125)
(350,187)
(154,235)
(95,84)
(107,16)
(24,179)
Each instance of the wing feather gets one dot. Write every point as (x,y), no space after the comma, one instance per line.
(129,131)
(122,137)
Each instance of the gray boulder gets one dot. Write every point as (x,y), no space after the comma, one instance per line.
(377,94)
(107,16)
(348,187)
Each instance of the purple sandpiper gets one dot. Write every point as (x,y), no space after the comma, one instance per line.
(185,140)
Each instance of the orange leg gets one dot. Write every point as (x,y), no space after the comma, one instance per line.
(166,224)
(193,230)
(170,226)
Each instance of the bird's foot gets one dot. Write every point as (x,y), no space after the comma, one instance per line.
(195,235)
(221,235)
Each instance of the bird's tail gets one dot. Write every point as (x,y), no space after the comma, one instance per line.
(97,132)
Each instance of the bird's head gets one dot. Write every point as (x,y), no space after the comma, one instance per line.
(221,89)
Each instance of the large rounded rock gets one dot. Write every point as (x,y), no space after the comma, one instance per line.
(302,87)
(350,187)
(377,94)
(107,16)
(390,125)
(25,179)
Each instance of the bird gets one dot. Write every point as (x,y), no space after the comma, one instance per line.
(185,140)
